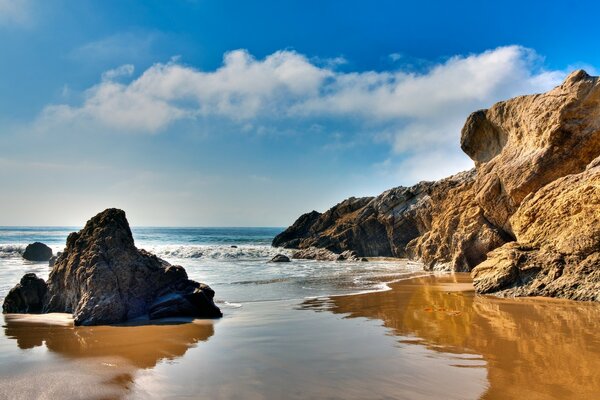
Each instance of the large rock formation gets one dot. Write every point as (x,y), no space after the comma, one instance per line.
(37,252)
(522,144)
(102,278)
(529,185)
(406,222)
(557,252)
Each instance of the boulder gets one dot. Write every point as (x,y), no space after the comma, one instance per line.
(102,278)
(27,296)
(280,258)
(37,252)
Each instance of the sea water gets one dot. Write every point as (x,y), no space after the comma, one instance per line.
(233,261)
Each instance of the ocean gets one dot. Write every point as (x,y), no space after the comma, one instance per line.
(297,330)
(233,261)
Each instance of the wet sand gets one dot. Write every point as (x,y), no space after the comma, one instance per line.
(427,338)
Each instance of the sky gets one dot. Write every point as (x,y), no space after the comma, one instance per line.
(249,113)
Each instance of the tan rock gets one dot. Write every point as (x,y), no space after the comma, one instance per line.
(557,252)
(530,184)
(522,144)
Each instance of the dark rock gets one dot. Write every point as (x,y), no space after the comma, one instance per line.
(234,247)
(300,229)
(37,252)
(192,299)
(102,278)
(27,296)
(280,258)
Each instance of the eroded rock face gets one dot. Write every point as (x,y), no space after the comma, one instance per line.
(407,222)
(522,144)
(102,278)
(530,184)
(557,252)
(37,252)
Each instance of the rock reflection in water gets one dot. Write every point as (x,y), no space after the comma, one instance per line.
(124,349)
(534,348)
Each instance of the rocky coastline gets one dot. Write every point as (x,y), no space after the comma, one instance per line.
(524,221)
(102,278)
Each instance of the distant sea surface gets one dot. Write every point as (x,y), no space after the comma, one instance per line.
(233,261)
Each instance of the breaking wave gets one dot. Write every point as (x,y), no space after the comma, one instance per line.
(217,252)
(11,250)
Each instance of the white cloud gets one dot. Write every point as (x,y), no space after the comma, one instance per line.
(122,71)
(416,112)
(15,12)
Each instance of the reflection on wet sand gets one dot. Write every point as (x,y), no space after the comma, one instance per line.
(534,348)
(123,349)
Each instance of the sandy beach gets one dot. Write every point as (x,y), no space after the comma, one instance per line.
(427,338)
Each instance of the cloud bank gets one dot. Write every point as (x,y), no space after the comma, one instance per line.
(418,114)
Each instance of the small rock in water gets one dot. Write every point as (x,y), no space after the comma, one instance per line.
(37,252)
(280,258)
(234,247)
(27,296)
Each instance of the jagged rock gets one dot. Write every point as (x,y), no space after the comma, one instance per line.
(280,258)
(314,253)
(37,252)
(27,296)
(438,223)
(530,154)
(557,252)
(522,144)
(299,230)
(102,278)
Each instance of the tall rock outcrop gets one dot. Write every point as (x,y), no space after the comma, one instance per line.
(531,155)
(522,144)
(102,278)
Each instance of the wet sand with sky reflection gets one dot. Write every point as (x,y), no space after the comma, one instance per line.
(428,338)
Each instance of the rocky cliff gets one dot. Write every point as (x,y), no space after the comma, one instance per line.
(524,220)
(102,278)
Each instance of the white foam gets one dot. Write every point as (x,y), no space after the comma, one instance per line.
(219,252)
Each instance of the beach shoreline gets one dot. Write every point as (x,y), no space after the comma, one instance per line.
(426,337)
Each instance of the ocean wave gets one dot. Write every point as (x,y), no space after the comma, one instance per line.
(11,250)
(218,252)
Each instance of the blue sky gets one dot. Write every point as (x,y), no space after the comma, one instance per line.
(238,113)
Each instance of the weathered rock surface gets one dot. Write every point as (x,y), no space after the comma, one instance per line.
(522,144)
(102,278)
(557,252)
(27,296)
(530,184)
(314,253)
(405,222)
(37,252)
(280,258)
